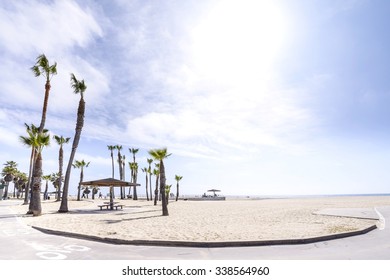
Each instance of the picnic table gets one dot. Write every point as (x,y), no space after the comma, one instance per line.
(107,206)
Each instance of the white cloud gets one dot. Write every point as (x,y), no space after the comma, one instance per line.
(45,27)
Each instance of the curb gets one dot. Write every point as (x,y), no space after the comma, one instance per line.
(211,244)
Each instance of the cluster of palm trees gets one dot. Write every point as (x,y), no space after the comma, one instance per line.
(38,137)
(55,179)
(10,173)
(161,191)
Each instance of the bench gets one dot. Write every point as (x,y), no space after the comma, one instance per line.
(119,205)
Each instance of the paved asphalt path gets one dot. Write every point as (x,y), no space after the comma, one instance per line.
(20,242)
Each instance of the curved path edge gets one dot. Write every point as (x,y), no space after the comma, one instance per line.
(207,244)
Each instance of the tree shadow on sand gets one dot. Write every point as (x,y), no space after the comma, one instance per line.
(130,219)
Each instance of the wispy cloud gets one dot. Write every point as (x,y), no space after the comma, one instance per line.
(49,27)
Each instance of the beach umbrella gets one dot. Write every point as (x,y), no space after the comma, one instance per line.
(109,182)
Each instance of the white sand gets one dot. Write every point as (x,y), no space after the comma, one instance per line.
(230,220)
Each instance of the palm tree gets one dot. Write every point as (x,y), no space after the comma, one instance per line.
(21,183)
(112,148)
(134,151)
(35,208)
(78,87)
(177,178)
(146,182)
(134,171)
(9,171)
(123,189)
(80,164)
(119,148)
(55,178)
(150,160)
(160,155)
(43,67)
(30,141)
(60,141)
(46,178)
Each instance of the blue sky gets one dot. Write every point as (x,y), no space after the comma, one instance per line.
(252,97)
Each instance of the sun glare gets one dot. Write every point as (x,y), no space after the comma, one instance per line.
(238,41)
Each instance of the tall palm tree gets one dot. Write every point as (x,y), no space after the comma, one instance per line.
(43,67)
(47,178)
(35,208)
(123,189)
(177,178)
(134,151)
(119,148)
(150,160)
(111,148)
(145,169)
(134,171)
(160,155)
(78,87)
(60,141)
(80,164)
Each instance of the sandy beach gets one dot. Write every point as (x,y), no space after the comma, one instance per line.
(230,220)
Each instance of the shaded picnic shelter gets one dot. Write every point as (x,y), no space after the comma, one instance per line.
(214,191)
(109,182)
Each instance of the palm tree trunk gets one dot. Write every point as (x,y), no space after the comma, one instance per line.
(112,160)
(177,191)
(36,207)
(14,194)
(5,196)
(17,187)
(79,127)
(46,190)
(156,190)
(81,179)
(27,188)
(162,189)
(150,185)
(61,163)
(44,110)
(146,186)
(79,186)
(135,196)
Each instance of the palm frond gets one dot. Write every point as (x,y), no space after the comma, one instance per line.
(78,86)
(36,71)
